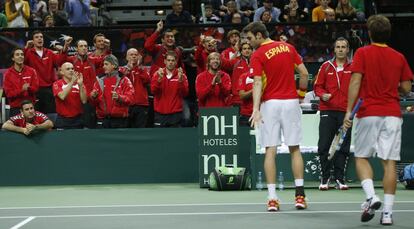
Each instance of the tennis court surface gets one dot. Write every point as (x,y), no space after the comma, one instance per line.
(177,206)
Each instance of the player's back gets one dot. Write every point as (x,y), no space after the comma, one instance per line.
(277,67)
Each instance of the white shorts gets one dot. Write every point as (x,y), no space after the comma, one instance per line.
(280,117)
(380,135)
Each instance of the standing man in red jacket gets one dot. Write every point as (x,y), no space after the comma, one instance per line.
(158,51)
(232,53)
(213,86)
(102,48)
(331,85)
(140,79)
(169,86)
(70,95)
(241,67)
(20,82)
(112,94)
(45,62)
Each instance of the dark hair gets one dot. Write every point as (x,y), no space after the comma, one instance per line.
(36,32)
(379,27)
(256,27)
(15,49)
(97,35)
(24,102)
(171,53)
(166,31)
(342,39)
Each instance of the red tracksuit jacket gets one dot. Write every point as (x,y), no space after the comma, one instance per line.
(212,95)
(44,65)
(105,105)
(139,78)
(334,82)
(169,93)
(242,66)
(13,83)
(158,53)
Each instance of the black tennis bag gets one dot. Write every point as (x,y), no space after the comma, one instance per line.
(230,178)
(406,176)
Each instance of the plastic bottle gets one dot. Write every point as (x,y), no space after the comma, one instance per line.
(281,181)
(259,181)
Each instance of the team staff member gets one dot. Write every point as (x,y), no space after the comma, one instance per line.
(45,62)
(213,86)
(28,121)
(70,95)
(140,79)
(276,105)
(112,95)
(102,48)
(379,73)
(169,86)
(86,64)
(231,53)
(20,82)
(331,86)
(158,51)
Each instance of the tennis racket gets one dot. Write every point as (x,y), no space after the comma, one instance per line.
(341,133)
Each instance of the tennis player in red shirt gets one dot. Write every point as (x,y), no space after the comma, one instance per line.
(379,74)
(273,66)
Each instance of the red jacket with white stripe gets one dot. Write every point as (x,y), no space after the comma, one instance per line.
(13,85)
(334,81)
(169,93)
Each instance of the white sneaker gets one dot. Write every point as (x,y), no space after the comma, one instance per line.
(341,185)
(324,185)
(369,207)
(386,218)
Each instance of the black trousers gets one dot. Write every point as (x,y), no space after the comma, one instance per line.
(89,116)
(110,122)
(244,121)
(14,111)
(137,116)
(68,123)
(330,121)
(168,120)
(46,100)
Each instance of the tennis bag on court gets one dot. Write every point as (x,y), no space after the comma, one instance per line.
(407,176)
(230,178)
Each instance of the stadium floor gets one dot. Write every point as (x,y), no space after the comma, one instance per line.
(184,206)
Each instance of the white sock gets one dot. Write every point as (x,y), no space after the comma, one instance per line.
(271,189)
(299,182)
(388,202)
(368,186)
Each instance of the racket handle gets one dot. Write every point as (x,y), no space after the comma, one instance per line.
(356,108)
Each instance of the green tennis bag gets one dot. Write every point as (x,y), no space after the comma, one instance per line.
(230,178)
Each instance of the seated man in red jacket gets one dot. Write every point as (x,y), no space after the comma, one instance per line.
(112,94)
(20,82)
(169,86)
(29,121)
(213,86)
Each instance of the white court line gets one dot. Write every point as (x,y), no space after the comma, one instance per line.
(19,225)
(180,205)
(193,214)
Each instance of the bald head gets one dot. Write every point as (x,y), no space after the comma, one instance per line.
(67,70)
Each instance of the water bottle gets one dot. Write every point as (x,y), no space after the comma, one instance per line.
(259,181)
(281,181)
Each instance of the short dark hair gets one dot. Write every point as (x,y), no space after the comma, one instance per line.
(256,27)
(36,32)
(24,102)
(97,35)
(166,31)
(379,27)
(15,49)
